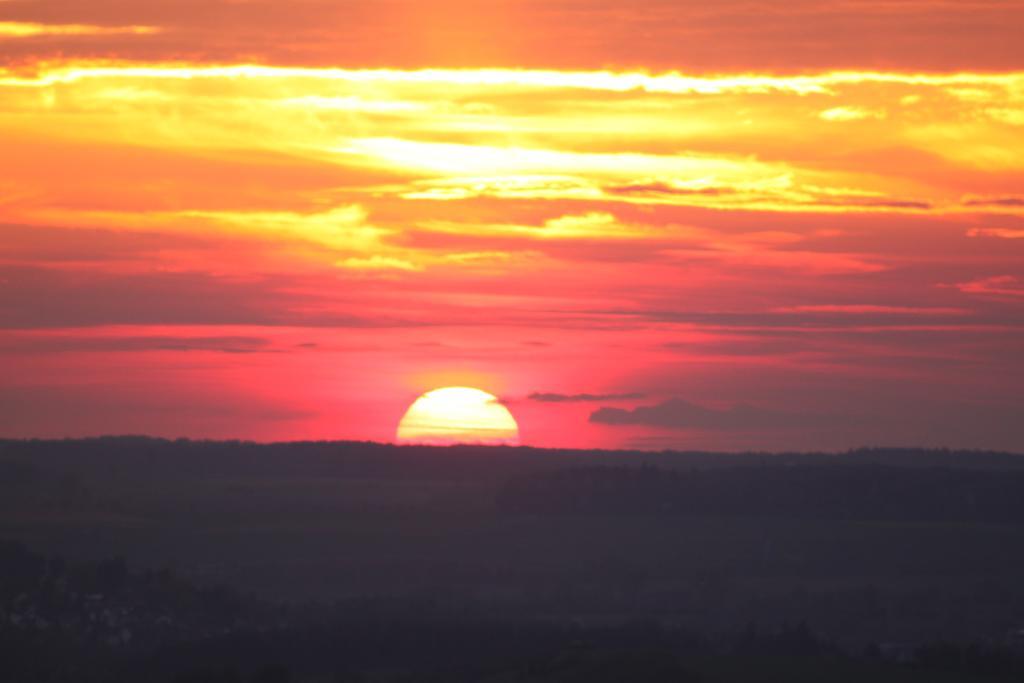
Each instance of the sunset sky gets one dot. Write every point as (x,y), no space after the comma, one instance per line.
(731,225)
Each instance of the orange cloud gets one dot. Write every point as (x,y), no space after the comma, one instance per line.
(1004,233)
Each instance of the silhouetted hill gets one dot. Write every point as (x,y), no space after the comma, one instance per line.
(876,545)
(840,491)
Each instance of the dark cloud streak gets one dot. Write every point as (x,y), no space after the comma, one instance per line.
(49,298)
(106,344)
(677,413)
(582,398)
(1008,202)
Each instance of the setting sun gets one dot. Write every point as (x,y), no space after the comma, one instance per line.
(458,415)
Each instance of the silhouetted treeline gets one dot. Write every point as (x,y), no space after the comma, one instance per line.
(842,492)
(130,456)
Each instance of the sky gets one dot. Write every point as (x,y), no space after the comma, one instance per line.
(734,226)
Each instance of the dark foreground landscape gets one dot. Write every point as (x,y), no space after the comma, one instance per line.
(133,559)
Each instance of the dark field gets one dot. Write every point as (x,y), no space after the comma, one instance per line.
(878,551)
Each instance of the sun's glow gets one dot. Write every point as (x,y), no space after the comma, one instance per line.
(458,415)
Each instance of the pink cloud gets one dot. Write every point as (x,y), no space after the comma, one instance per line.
(999,285)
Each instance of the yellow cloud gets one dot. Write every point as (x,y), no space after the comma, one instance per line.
(391,138)
(1013,117)
(21,29)
(378,262)
(593,225)
(963,85)
(342,228)
(850,114)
